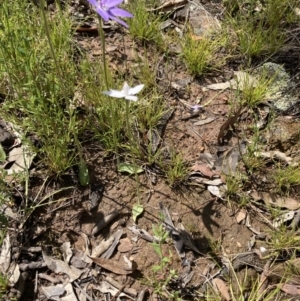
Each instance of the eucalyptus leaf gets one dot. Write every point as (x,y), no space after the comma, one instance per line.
(129,168)
(137,210)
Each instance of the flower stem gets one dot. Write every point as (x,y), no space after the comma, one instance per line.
(111,107)
(42,6)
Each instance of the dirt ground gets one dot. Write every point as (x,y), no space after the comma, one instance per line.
(213,223)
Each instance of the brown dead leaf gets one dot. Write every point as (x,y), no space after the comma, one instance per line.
(296,264)
(275,200)
(205,121)
(22,157)
(277,155)
(125,245)
(241,215)
(59,266)
(204,170)
(291,289)
(221,286)
(111,265)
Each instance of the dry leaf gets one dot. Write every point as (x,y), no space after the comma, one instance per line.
(67,252)
(215,182)
(125,245)
(291,289)
(283,218)
(295,263)
(221,286)
(111,265)
(106,287)
(204,170)
(241,215)
(276,200)
(22,158)
(14,273)
(102,247)
(53,292)
(5,257)
(205,121)
(105,221)
(215,190)
(242,79)
(69,296)
(59,266)
(277,155)
(208,159)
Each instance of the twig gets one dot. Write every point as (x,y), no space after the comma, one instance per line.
(119,292)
(85,294)
(129,291)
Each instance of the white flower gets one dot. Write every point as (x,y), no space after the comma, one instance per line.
(127,92)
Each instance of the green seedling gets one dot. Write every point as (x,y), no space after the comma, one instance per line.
(163,270)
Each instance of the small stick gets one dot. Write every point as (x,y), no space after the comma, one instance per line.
(119,292)
(129,291)
(36,283)
(48,278)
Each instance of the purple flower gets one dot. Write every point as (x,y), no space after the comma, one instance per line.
(107,9)
(196,109)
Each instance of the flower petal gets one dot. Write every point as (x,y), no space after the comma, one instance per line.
(135,90)
(119,21)
(118,12)
(94,3)
(103,14)
(111,3)
(132,98)
(114,93)
(126,89)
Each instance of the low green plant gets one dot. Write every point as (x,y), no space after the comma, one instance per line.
(3,286)
(163,272)
(251,158)
(175,169)
(145,24)
(200,55)
(40,76)
(234,183)
(286,177)
(254,39)
(259,26)
(252,89)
